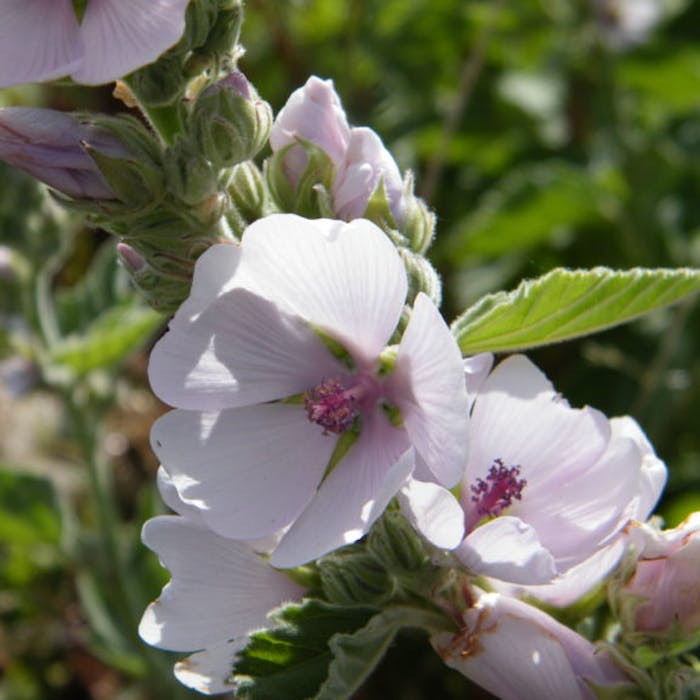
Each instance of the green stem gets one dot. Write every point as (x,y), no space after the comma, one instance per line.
(101,490)
(165,119)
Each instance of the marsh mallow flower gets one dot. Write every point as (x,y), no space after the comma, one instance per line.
(290,409)
(544,487)
(44,39)
(624,23)
(516,651)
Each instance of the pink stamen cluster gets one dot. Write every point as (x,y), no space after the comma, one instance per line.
(331,405)
(498,491)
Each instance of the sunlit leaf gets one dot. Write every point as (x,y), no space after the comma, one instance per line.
(565,304)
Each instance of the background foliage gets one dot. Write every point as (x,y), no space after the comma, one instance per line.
(537,146)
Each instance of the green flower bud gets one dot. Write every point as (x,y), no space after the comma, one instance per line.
(422,276)
(189,175)
(310,195)
(418,221)
(395,543)
(249,192)
(230,123)
(355,577)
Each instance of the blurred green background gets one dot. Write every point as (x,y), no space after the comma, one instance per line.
(537,143)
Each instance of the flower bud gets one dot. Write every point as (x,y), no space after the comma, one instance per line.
(249,192)
(55,148)
(189,176)
(662,597)
(422,277)
(230,123)
(312,114)
(135,174)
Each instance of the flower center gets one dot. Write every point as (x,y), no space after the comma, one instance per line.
(332,405)
(498,491)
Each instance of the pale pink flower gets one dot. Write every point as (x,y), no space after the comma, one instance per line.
(517,652)
(666,581)
(43,39)
(220,591)
(264,404)
(315,114)
(545,486)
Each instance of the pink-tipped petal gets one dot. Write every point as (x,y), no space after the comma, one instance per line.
(345,278)
(506,548)
(312,113)
(351,498)
(366,164)
(120,36)
(434,512)
(250,471)
(240,351)
(429,388)
(39,40)
(517,652)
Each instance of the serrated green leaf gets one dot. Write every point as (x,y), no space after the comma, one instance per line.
(355,655)
(29,510)
(108,340)
(565,304)
(289,660)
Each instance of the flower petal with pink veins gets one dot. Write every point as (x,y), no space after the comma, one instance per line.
(240,351)
(428,387)
(434,512)
(351,498)
(250,471)
(220,589)
(508,549)
(345,278)
(120,36)
(39,40)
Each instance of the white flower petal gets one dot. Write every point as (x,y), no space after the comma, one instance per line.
(653,474)
(241,350)
(506,548)
(520,419)
(208,671)
(434,512)
(345,278)
(250,471)
(476,369)
(351,498)
(215,272)
(575,582)
(429,388)
(122,35)
(39,40)
(219,589)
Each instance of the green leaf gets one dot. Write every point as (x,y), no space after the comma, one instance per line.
(565,304)
(108,340)
(290,660)
(355,655)
(29,510)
